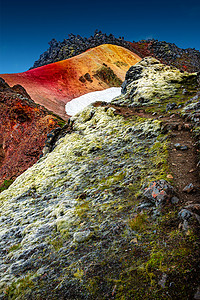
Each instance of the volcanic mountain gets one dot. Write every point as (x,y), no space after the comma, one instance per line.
(56,84)
(183,59)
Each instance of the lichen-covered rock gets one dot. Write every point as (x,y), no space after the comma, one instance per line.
(149,82)
(189,216)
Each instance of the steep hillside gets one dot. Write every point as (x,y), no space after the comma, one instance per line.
(23,129)
(168,53)
(111,211)
(56,84)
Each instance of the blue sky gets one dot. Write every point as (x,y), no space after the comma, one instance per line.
(26,27)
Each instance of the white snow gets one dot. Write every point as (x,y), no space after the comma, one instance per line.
(77,104)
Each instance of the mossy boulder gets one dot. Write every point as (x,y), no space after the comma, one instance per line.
(149,82)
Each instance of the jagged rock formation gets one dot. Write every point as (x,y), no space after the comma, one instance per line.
(168,53)
(56,84)
(23,129)
(82,222)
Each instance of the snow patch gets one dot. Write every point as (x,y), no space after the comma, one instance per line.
(78,104)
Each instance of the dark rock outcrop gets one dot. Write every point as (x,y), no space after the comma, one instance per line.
(74,45)
(168,53)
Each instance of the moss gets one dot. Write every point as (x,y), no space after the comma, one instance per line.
(14,247)
(5,185)
(20,288)
(155,262)
(120,64)
(134,188)
(62,227)
(82,209)
(144,262)
(107,75)
(58,241)
(79,274)
(128,251)
(196,131)
(139,222)
(111,180)
(93,285)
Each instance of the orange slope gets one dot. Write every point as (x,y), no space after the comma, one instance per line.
(56,84)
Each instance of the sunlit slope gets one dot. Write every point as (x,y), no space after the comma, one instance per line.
(56,84)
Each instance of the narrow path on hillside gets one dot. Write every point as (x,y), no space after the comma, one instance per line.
(182,162)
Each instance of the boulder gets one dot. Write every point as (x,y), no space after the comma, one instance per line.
(159,192)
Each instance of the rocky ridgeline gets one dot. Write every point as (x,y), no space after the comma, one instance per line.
(168,53)
(96,217)
(188,59)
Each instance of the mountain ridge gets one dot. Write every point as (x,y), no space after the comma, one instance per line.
(168,53)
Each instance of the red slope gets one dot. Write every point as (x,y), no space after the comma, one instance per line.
(23,130)
(56,84)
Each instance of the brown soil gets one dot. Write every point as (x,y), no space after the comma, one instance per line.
(182,163)
(2,154)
